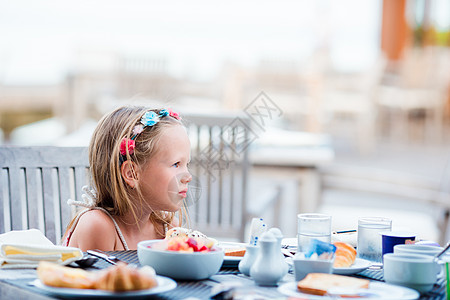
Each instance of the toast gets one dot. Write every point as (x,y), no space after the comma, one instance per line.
(235,251)
(320,283)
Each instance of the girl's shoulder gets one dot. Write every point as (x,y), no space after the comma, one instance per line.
(96,220)
(94,230)
(97,214)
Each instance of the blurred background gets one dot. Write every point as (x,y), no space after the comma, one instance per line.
(363,86)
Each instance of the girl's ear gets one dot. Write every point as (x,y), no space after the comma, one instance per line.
(129,173)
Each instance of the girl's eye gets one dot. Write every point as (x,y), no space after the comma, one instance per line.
(176,165)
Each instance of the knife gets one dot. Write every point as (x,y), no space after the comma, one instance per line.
(111,259)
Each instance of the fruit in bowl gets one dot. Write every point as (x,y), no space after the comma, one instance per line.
(185,244)
(182,256)
(188,245)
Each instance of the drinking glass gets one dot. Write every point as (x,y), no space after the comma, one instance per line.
(369,238)
(312,226)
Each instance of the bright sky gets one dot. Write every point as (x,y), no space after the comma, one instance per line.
(40,39)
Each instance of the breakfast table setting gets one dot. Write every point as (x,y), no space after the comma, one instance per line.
(192,267)
(18,284)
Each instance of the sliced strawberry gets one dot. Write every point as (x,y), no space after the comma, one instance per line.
(204,249)
(193,244)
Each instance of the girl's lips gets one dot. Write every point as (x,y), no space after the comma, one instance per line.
(183,193)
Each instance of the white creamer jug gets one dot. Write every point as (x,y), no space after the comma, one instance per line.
(249,258)
(279,236)
(266,270)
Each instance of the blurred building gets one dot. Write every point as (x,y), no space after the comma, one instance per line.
(387,78)
(366,73)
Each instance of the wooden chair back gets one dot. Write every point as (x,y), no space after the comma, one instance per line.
(35,184)
(219,166)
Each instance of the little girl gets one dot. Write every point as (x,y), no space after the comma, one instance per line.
(139,170)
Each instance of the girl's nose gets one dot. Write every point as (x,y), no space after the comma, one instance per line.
(186,178)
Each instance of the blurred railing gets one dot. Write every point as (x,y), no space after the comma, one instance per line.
(383,101)
(411,189)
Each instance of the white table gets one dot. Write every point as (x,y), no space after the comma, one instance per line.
(294,155)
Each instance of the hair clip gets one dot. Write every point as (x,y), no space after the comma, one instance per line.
(164,112)
(127,144)
(150,118)
(174,114)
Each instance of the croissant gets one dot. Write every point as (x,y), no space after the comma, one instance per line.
(121,278)
(345,255)
(56,275)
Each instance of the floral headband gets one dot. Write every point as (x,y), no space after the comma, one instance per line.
(149,119)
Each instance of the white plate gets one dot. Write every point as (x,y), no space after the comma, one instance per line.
(164,284)
(358,266)
(231,261)
(376,290)
(291,242)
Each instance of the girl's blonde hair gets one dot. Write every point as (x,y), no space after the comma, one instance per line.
(105,160)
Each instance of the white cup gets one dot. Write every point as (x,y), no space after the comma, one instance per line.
(422,250)
(415,271)
(417,249)
(304,266)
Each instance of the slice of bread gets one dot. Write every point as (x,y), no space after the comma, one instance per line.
(320,283)
(234,252)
